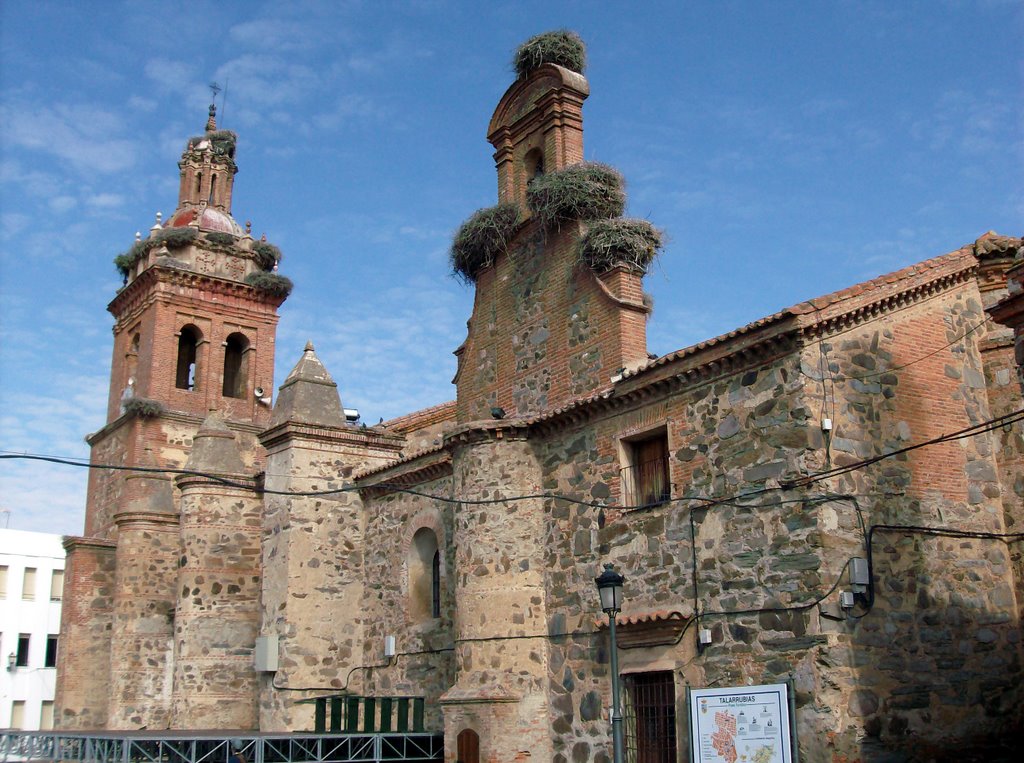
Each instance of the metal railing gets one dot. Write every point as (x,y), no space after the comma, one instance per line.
(216,747)
(646,483)
(348,714)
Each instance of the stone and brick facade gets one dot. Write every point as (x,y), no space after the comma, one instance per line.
(732,482)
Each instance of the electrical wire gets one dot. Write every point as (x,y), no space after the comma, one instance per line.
(893,369)
(974,430)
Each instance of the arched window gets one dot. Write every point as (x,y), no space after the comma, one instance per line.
(188,344)
(424,562)
(467,747)
(533,163)
(213,185)
(235,366)
(131,366)
(199,184)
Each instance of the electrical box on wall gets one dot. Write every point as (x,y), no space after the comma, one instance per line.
(859,577)
(265,656)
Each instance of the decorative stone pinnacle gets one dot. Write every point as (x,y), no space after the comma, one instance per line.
(211,122)
(309,346)
(138,236)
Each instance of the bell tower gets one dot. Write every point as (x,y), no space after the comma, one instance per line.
(194,326)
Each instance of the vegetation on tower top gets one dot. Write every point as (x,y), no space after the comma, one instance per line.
(270,283)
(584,191)
(143,407)
(266,254)
(220,238)
(222,141)
(628,242)
(562,47)
(480,239)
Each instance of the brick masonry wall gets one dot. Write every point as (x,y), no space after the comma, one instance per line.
(83,661)
(543,331)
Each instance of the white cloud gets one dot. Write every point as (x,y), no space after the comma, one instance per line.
(172,76)
(144,105)
(105,201)
(86,137)
(61,204)
(260,80)
(50,419)
(278,35)
(13,223)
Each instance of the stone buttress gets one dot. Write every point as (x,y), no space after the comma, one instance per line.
(313,553)
(217,613)
(501,622)
(141,649)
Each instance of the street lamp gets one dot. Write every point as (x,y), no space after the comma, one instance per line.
(609,587)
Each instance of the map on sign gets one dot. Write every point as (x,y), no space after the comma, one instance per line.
(745,724)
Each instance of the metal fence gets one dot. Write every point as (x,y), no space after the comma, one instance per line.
(284,748)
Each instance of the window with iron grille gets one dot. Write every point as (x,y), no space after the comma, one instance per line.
(650,717)
(645,475)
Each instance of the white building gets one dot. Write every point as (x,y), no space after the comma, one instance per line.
(31,585)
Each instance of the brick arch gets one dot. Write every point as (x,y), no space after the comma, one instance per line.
(419,574)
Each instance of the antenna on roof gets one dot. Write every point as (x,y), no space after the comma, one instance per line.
(224,104)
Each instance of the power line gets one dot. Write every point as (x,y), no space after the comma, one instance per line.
(706,501)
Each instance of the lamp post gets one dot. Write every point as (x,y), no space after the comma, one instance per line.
(609,587)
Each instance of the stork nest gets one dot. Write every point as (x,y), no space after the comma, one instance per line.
(270,283)
(562,47)
(584,191)
(608,244)
(480,239)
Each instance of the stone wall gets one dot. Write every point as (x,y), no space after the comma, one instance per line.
(142,633)
(724,435)
(425,662)
(313,567)
(938,655)
(217,615)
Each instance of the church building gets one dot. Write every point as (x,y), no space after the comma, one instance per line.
(824,498)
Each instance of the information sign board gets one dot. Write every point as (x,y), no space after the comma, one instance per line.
(743,724)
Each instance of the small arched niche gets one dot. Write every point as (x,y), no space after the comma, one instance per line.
(424,570)
(533,164)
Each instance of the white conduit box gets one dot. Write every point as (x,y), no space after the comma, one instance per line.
(265,656)
(389,646)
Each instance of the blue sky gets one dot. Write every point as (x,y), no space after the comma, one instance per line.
(788,150)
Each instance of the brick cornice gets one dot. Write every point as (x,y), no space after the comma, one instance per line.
(415,471)
(142,290)
(180,417)
(824,320)
(76,542)
(244,483)
(1009,311)
(291,432)
(155,519)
